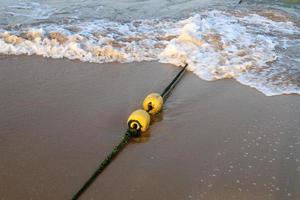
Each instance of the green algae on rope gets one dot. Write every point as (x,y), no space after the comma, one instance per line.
(127,136)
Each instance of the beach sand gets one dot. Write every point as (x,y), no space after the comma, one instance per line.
(213,141)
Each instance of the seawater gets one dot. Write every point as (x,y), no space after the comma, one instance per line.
(256,43)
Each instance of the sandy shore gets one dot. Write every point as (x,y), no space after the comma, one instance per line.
(215,140)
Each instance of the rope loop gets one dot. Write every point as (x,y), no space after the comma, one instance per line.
(134,125)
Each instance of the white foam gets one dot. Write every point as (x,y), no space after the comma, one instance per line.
(222,46)
(215,44)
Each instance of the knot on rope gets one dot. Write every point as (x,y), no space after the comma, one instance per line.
(131,132)
(150,107)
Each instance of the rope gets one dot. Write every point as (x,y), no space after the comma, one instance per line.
(127,136)
(170,87)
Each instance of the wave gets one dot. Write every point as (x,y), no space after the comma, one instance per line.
(261,51)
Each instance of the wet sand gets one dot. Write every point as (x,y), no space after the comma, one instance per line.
(214,140)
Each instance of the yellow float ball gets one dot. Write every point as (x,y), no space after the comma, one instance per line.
(139,120)
(153,103)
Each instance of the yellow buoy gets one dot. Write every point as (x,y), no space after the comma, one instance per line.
(153,103)
(139,120)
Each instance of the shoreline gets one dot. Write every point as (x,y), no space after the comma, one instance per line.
(213,140)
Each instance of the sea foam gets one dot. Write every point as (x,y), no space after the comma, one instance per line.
(250,48)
